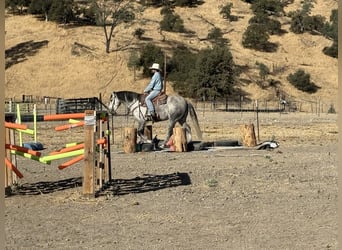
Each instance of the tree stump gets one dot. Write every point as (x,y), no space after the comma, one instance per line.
(130,139)
(248,135)
(180,142)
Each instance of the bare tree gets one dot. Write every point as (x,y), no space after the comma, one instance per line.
(111,13)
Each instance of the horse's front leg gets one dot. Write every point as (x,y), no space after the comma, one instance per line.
(140,131)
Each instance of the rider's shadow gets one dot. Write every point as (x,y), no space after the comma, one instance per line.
(146,183)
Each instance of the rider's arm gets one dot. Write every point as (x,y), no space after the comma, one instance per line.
(151,84)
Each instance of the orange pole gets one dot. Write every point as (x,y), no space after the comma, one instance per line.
(13,168)
(101,141)
(68,149)
(77,147)
(15,125)
(22,149)
(72,161)
(69,126)
(63,117)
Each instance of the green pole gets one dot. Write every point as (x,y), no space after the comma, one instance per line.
(62,155)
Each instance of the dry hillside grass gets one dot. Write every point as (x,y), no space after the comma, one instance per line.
(44,64)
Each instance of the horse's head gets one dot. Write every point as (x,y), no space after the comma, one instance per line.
(114,103)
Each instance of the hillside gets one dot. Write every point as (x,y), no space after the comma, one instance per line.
(44,59)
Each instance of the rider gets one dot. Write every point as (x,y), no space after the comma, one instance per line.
(153,89)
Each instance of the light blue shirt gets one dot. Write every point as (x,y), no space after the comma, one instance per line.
(156,83)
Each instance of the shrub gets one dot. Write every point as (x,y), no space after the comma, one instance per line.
(226,11)
(270,25)
(255,37)
(216,36)
(331,110)
(301,81)
(263,70)
(269,7)
(138,33)
(332,50)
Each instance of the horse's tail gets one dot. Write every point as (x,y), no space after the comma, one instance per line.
(195,120)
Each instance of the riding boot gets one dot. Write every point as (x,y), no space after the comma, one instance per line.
(150,116)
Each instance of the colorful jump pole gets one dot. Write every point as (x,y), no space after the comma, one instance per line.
(15,125)
(69,126)
(11,166)
(35,122)
(59,117)
(19,122)
(30,156)
(22,149)
(70,162)
(62,155)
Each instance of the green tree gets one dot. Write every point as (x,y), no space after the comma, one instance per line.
(301,21)
(150,54)
(330,30)
(255,37)
(172,22)
(269,7)
(181,3)
(271,26)
(209,74)
(41,7)
(314,24)
(17,6)
(61,11)
(215,35)
(181,71)
(216,75)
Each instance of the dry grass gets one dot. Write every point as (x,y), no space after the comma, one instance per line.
(53,70)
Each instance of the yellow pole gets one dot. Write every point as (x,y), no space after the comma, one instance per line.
(35,122)
(19,121)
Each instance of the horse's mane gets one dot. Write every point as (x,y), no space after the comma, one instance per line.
(128,96)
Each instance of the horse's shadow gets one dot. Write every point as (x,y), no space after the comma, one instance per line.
(143,184)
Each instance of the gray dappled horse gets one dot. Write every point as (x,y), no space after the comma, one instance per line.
(175,109)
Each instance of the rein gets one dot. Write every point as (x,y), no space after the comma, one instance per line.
(134,105)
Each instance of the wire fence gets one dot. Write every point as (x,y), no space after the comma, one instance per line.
(50,105)
(218,120)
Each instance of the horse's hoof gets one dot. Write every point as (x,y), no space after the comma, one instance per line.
(163,146)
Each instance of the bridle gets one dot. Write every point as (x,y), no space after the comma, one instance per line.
(131,107)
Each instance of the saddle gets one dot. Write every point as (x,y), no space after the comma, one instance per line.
(158,100)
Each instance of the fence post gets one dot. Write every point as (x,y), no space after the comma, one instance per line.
(88,184)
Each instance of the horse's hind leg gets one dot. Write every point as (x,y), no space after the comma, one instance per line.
(169,131)
(187,129)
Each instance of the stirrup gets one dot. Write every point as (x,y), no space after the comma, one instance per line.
(148,117)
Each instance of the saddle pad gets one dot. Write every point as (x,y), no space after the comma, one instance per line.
(158,100)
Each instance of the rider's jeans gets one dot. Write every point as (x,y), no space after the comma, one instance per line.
(149,98)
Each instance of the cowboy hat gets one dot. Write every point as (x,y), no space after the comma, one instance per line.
(155,66)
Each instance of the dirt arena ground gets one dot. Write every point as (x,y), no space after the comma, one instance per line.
(285,198)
